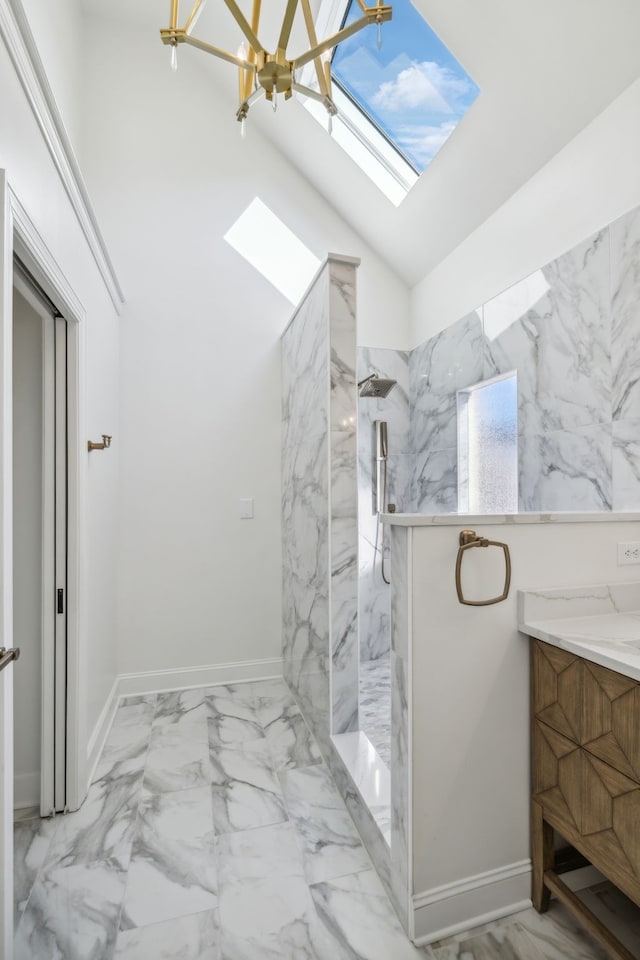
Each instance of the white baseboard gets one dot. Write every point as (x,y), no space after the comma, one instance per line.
(157,681)
(101,730)
(455,907)
(465,904)
(26,790)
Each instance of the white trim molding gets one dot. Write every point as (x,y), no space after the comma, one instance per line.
(158,681)
(21,47)
(454,907)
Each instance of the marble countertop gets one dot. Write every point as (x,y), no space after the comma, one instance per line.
(468,519)
(600,623)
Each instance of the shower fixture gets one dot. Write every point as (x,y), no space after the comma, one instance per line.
(380,427)
(380,504)
(375,386)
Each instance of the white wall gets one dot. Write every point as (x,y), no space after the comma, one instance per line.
(38,187)
(471,704)
(591,182)
(27,547)
(57,31)
(200,351)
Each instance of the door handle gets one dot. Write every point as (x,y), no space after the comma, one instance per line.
(6,656)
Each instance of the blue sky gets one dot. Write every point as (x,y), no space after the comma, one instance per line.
(413,88)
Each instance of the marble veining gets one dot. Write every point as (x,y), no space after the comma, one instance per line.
(561,344)
(360,920)
(625,310)
(625,466)
(570,330)
(192,937)
(367,780)
(299,889)
(566,468)
(375,705)
(373,592)
(320,648)
(526,936)
(598,623)
(451,360)
(330,844)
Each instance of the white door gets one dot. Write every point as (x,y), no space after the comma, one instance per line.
(40,547)
(18,232)
(59,607)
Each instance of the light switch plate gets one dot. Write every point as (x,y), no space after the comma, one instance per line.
(246,509)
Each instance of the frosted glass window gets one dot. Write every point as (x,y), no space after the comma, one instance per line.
(488,446)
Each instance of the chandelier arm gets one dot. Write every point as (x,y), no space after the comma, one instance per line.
(255,23)
(244,25)
(249,101)
(221,54)
(243,110)
(313,42)
(377,14)
(193,15)
(174,13)
(326,101)
(287,24)
(333,41)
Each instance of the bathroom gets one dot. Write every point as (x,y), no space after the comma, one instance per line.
(132,177)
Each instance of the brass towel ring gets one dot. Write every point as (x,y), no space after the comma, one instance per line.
(469,539)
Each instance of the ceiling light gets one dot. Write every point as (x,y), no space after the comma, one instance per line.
(261,73)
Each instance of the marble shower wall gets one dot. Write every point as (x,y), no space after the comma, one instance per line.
(319,503)
(373,595)
(437,369)
(572,332)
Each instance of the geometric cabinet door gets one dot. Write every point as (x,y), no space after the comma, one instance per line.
(610,728)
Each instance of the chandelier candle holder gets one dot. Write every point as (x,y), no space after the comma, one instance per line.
(261,73)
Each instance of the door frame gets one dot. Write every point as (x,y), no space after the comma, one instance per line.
(53,650)
(19,236)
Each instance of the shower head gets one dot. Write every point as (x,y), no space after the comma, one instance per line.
(375,386)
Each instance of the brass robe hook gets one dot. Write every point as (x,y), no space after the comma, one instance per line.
(106,443)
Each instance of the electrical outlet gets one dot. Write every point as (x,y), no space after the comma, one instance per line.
(629,552)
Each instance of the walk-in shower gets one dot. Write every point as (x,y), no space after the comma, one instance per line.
(379,388)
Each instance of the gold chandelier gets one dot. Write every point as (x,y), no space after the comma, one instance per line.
(261,73)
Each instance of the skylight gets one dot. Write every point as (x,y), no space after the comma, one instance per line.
(284,261)
(401,101)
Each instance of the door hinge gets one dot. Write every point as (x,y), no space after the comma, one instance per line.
(60,600)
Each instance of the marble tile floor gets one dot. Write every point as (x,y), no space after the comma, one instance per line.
(213,831)
(375,705)
(554,935)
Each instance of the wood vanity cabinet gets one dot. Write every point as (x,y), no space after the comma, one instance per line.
(585,772)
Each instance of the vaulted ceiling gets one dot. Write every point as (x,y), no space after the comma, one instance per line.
(545,70)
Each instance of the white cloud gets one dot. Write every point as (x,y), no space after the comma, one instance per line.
(422,141)
(426,85)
